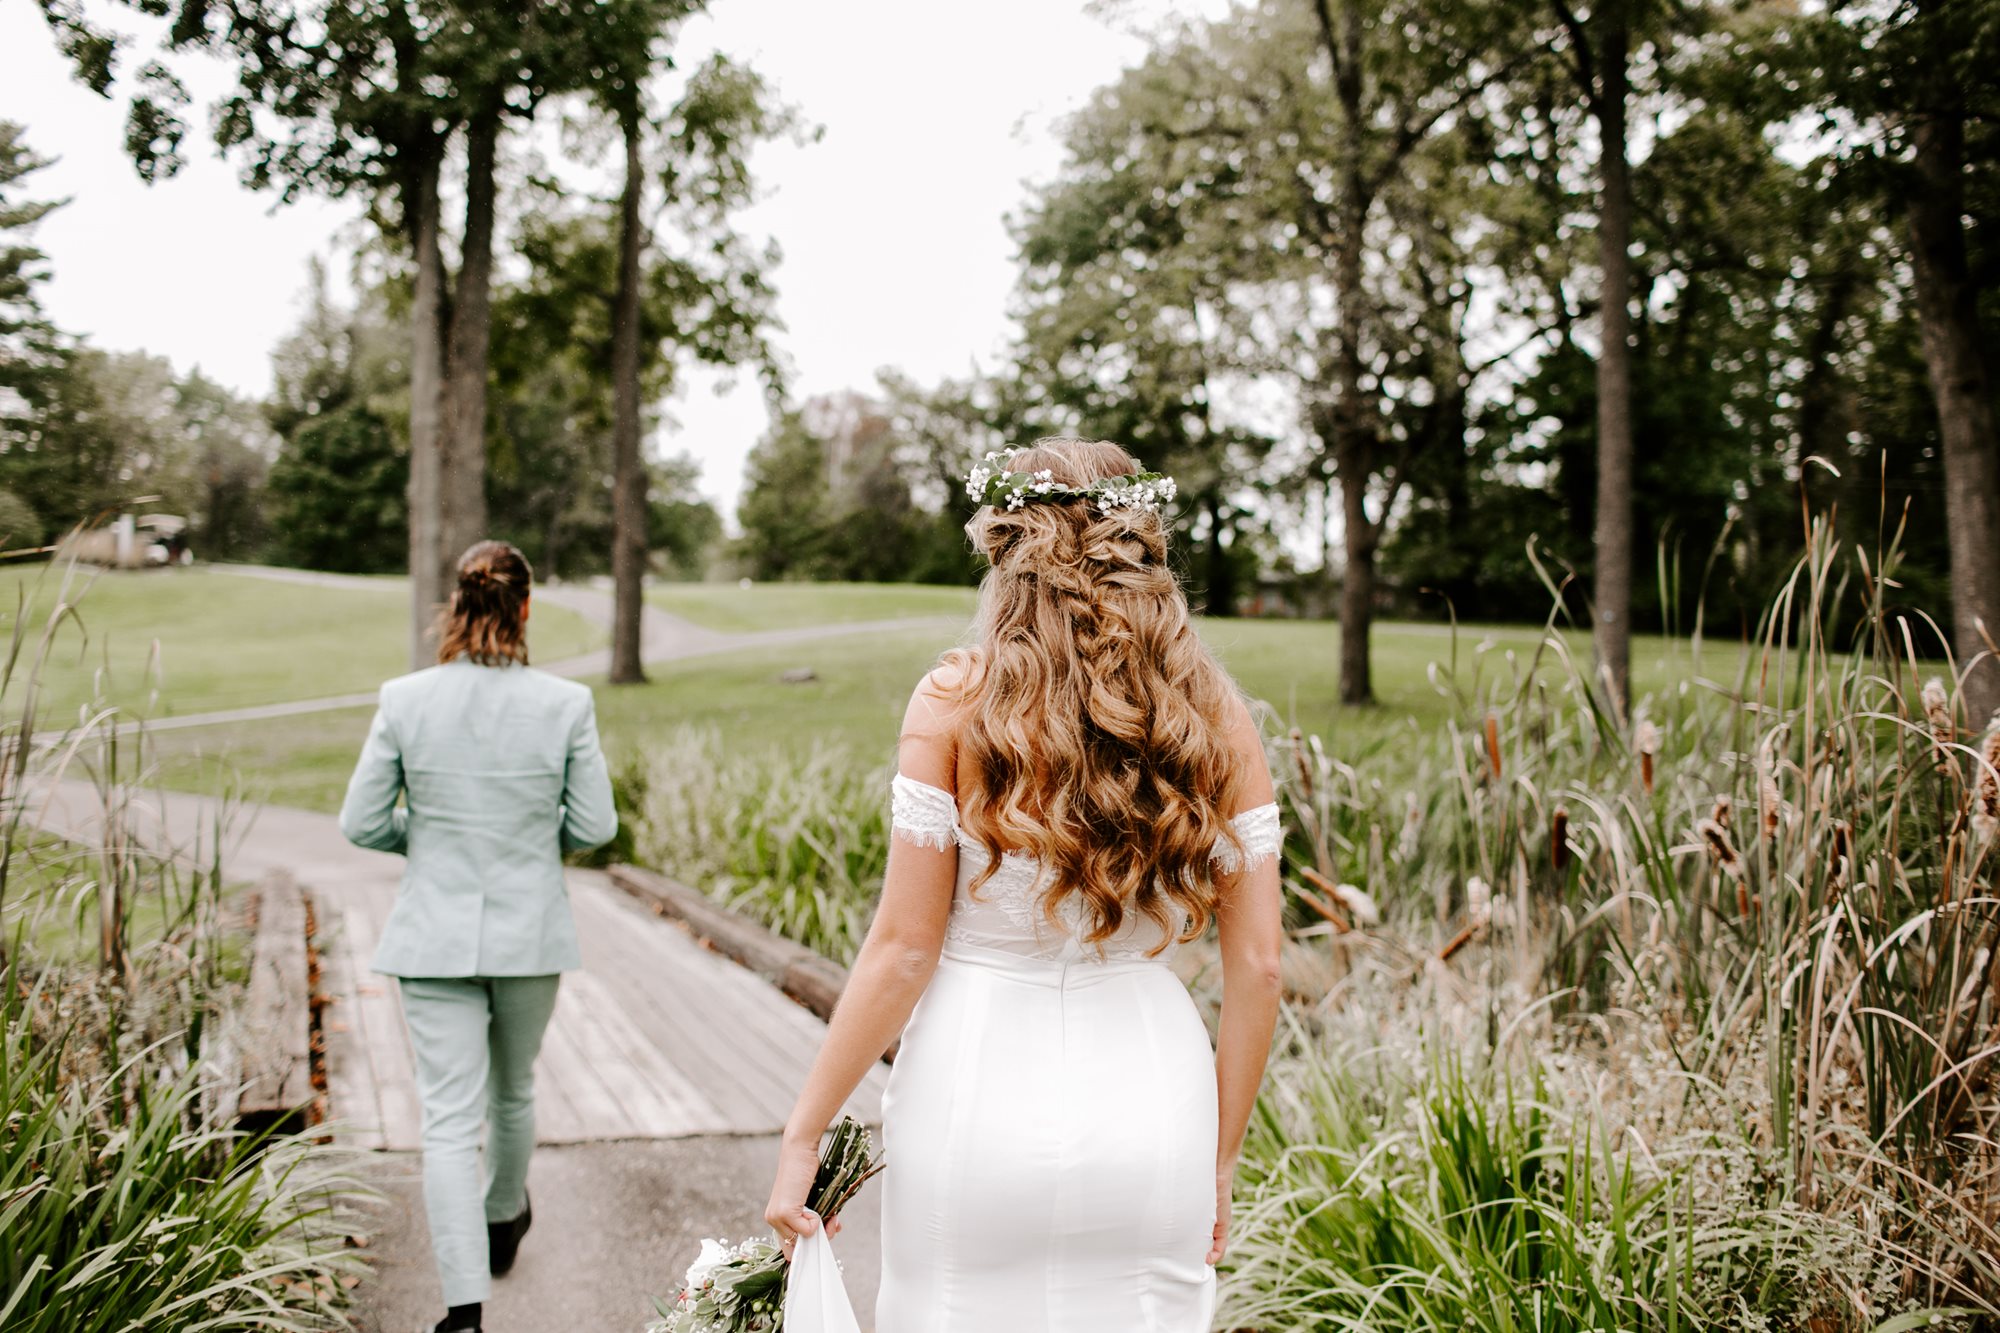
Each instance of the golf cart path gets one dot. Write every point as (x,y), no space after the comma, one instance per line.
(664,637)
(655,1038)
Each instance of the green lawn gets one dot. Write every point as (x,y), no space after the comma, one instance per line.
(1422,672)
(1294,666)
(730,606)
(167,642)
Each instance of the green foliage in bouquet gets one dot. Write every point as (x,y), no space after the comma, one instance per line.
(741,1288)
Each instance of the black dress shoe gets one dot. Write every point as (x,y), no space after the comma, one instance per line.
(459,1319)
(503,1239)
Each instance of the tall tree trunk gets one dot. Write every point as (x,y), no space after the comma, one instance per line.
(426,424)
(1613,533)
(1948,312)
(1221,573)
(1357,590)
(628,485)
(464,454)
(1353,420)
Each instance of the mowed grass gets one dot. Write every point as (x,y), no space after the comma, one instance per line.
(862,683)
(738,609)
(162,643)
(1424,673)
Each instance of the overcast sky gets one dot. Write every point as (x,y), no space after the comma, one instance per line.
(892,224)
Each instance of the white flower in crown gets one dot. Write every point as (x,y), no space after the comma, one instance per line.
(992,481)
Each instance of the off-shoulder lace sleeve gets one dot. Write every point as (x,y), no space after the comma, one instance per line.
(1262,834)
(923,814)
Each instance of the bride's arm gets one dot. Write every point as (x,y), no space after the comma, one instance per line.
(1249,924)
(889,975)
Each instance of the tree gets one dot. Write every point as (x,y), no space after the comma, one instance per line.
(1307,163)
(828,494)
(368,97)
(1926,76)
(337,494)
(1599,51)
(681,526)
(717,312)
(34,359)
(1124,335)
(30,348)
(785,514)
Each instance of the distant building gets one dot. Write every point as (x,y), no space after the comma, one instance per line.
(132,541)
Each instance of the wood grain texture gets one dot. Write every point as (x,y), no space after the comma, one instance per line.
(656,1037)
(276,1033)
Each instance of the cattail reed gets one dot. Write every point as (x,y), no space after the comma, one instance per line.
(1838,862)
(1413,827)
(1559,839)
(1770,806)
(1478,903)
(1335,908)
(1646,740)
(1478,916)
(1299,763)
(1937,713)
(1493,747)
(1720,849)
(1986,795)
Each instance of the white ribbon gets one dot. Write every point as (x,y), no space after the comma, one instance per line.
(815,1298)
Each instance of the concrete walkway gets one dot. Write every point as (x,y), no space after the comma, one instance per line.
(666,1075)
(664,638)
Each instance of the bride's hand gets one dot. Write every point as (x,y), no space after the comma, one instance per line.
(787,1212)
(1219,1242)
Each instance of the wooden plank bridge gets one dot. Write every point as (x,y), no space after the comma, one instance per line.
(655,1038)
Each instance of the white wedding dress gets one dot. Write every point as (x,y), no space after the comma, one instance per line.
(1050,1120)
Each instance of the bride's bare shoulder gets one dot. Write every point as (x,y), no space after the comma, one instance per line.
(929,741)
(941,695)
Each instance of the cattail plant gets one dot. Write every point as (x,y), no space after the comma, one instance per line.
(1986,792)
(1715,836)
(1937,716)
(1770,803)
(1646,741)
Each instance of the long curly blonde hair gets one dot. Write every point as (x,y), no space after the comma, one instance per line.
(1092,724)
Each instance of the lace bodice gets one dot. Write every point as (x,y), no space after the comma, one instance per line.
(1006,914)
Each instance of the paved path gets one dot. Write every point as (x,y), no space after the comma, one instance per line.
(615,1225)
(664,637)
(667,1072)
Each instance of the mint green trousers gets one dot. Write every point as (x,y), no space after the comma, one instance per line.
(475,1041)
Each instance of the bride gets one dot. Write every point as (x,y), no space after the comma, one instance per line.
(1078,794)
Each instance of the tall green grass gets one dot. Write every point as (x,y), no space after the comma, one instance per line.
(127,1198)
(799,845)
(1417,1187)
(1755,922)
(125,1207)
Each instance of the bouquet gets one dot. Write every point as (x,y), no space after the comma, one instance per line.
(741,1288)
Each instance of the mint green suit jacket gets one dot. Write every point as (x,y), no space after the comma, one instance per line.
(498,772)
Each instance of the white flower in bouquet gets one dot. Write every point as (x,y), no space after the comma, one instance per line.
(741,1288)
(713,1255)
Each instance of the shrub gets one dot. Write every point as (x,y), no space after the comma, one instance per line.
(126,1207)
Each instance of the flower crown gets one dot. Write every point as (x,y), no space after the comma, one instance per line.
(991,483)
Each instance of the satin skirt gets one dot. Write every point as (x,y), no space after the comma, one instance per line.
(1050,1136)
